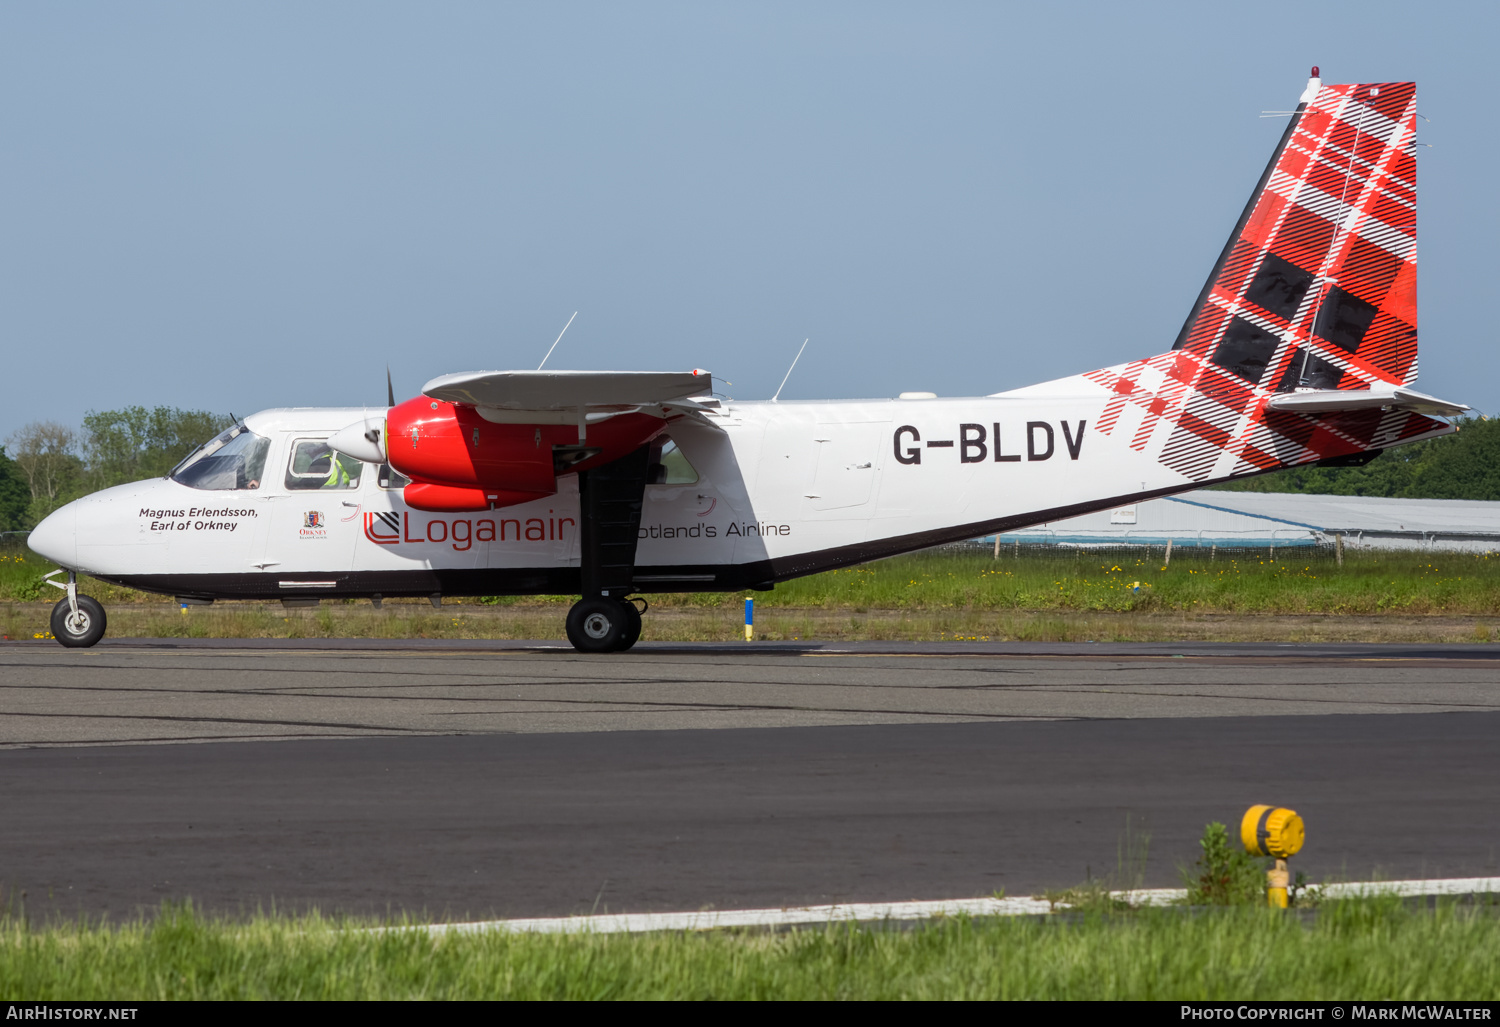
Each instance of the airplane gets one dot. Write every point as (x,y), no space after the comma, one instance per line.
(1301,348)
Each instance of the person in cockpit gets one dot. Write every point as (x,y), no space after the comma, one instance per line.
(234,459)
(315,466)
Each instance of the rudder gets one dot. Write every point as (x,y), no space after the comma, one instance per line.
(1315,290)
(1317,285)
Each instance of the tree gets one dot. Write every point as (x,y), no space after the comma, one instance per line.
(15,496)
(1462,466)
(44,452)
(1465,465)
(135,443)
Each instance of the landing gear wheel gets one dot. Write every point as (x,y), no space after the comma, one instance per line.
(80,630)
(596,625)
(632,633)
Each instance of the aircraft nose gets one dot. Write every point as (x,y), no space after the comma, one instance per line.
(56,538)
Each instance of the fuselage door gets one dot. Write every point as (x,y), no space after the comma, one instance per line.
(848,461)
(315,513)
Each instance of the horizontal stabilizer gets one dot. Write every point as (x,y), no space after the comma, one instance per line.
(1380,396)
(568,390)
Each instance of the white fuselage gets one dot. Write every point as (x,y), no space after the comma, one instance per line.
(782,489)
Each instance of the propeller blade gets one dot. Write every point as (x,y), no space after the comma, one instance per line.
(390,390)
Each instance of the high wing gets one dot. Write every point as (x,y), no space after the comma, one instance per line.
(479,440)
(567,390)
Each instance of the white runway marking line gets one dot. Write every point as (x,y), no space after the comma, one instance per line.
(708,920)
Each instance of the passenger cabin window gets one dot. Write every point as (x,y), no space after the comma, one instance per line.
(234,459)
(390,478)
(669,466)
(315,466)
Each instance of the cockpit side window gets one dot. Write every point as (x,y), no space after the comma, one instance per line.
(669,465)
(314,466)
(234,459)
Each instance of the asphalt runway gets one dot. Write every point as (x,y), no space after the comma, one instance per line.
(152,690)
(483,779)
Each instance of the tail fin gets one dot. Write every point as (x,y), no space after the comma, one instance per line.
(1317,287)
(1314,292)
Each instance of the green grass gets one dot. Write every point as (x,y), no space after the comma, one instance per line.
(21,574)
(1289,583)
(1366,949)
(1293,582)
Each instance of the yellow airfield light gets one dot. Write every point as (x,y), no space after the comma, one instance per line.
(1277,832)
(1272,831)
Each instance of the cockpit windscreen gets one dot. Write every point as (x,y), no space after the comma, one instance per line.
(235,459)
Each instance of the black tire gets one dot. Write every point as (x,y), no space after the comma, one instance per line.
(632,633)
(83,632)
(596,625)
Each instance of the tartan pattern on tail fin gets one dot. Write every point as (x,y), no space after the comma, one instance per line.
(1316,288)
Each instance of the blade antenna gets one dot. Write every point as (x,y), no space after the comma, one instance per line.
(789,370)
(557,340)
(390,390)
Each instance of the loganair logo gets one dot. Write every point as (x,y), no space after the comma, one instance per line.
(390,528)
(388,531)
(314,525)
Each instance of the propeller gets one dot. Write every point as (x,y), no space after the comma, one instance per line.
(363,439)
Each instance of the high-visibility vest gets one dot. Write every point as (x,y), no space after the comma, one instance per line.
(339,477)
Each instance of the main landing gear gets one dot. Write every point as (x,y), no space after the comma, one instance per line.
(78,621)
(604,625)
(609,500)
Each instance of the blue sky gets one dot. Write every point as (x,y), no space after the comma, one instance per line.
(239,206)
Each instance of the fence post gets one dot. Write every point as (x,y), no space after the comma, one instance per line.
(1338,548)
(997,545)
(1168,561)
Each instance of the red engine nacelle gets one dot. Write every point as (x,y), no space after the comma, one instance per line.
(459,461)
(420,495)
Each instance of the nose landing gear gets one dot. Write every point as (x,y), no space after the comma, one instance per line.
(78,621)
